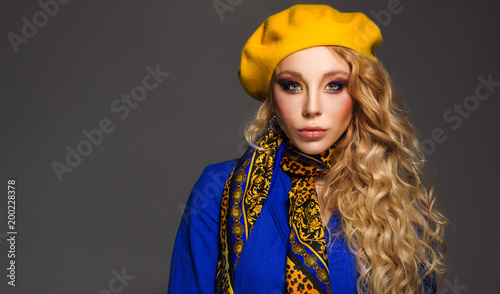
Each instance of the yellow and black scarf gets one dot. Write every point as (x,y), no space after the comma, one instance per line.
(244,195)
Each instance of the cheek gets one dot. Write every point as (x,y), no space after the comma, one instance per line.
(284,111)
(345,108)
(281,116)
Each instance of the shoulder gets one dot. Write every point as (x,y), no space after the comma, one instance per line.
(217,173)
(221,169)
(207,192)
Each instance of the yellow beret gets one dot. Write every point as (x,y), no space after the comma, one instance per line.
(300,27)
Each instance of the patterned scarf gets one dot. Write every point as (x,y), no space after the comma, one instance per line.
(244,195)
(306,257)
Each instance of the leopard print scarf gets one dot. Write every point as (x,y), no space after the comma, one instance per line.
(244,195)
(307,261)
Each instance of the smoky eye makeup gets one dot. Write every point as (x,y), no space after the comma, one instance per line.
(289,85)
(336,86)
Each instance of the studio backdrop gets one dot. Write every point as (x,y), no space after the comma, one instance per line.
(110,110)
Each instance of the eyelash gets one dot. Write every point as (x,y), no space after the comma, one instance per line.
(339,84)
(285,84)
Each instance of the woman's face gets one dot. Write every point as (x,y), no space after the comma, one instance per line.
(311,101)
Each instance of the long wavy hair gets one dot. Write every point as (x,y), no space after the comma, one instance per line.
(389,219)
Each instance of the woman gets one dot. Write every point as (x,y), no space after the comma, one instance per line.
(328,198)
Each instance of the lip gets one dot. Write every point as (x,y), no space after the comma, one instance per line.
(312,132)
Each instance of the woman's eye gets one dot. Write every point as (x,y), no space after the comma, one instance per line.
(290,86)
(335,86)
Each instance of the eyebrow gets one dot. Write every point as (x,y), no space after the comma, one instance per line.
(335,73)
(325,75)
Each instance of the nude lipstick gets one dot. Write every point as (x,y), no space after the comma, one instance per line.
(312,132)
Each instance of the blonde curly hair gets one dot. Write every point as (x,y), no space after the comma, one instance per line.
(389,219)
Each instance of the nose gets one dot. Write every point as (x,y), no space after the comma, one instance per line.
(312,105)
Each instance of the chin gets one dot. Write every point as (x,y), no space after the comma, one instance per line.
(312,148)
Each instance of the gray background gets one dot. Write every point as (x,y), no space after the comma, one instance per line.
(121,206)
